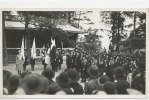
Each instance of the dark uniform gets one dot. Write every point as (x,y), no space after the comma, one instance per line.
(25,62)
(32,63)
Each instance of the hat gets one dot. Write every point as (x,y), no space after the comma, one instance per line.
(73,75)
(121,86)
(93,71)
(6,76)
(25,73)
(104,79)
(45,85)
(109,87)
(13,84)
(48,73)
(63,79)
(32,84)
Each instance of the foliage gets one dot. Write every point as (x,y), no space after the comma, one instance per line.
(91,43)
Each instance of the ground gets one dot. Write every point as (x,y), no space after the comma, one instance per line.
(38,69)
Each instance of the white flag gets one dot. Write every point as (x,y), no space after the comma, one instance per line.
(22,48)
(33,50)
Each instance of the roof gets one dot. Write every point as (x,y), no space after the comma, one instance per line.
(70,28)
(21,26)
(16,25)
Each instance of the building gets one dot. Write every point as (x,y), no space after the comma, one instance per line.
(15,31)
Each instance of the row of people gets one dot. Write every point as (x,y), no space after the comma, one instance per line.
(67,82)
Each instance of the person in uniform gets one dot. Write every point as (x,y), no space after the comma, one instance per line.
(33,60)
(26,61)
(19,62)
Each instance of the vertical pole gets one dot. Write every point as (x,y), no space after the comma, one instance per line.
(5,57)
(27,34)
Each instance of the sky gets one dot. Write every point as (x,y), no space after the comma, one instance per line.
(98,24)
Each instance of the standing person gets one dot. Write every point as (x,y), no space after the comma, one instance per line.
(84,69)
(26,61)
(43,55)
(19,62)
(33,60)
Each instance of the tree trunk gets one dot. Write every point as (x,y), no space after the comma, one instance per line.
(118,33)
(134,26)
(27,35)
(5,57)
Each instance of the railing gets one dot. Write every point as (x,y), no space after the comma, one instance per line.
(14,51)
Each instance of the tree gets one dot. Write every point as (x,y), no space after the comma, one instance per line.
(92,42)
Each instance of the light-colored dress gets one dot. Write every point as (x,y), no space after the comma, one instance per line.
(19,62)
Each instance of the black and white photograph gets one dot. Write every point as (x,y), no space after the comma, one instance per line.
(74,52)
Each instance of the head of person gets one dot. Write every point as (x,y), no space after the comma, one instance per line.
(119,73)
(73,75)
(63,79)
(19,52)
(122,86)
(13,84)
(104,79)
(139,84)
(6,76)
(93,72)
(109,87)
(25,73)
(48,73)
(32,84)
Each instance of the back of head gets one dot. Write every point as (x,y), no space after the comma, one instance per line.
(6,76)
(32,84)
(121,86)
(104,79)
(109,87)
(93,72)
(119,73)
(13,84)
(73,75)
(25,73)
(48,73)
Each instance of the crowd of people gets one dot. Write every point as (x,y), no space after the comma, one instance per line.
(101,73)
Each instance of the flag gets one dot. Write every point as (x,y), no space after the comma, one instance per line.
(53,51)
(33,50)
(22,48)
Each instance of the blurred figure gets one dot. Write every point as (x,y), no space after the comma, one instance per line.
(93,83)
(74,76)
(109,87)
(19,62)
(64,81)
(32,84)
(33,60)
(53,86)
(25,61)
(13,84)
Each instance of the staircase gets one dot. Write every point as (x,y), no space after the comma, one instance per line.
(11,58)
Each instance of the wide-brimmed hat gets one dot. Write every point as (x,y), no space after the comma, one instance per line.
(32,84)
(93,71)
(63,79)
(48,73)
(74,75)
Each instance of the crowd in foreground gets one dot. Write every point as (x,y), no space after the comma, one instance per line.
(105,74)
